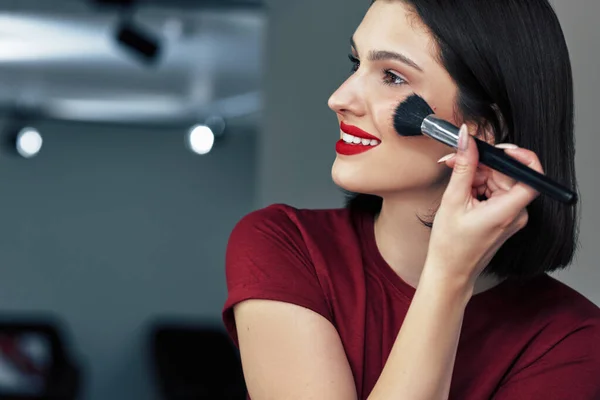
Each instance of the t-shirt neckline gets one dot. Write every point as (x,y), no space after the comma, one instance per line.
(367,233)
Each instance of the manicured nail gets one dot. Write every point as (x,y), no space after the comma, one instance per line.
(446,158)
(507,146)
(463,138)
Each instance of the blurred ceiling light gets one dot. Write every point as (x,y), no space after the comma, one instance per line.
(200,139)
(30,26)
(26,38)
(150,107)
(124,108)
(19,50)
(28,142)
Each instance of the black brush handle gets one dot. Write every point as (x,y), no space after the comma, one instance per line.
(497,159)
(444,132)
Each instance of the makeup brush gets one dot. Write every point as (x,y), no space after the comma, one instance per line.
(414,117)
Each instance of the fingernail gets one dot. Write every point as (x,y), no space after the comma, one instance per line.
(463,138)
(446,158)
(507,146)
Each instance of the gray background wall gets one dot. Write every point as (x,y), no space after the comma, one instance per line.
(111,227)
(307,48)
(580,24)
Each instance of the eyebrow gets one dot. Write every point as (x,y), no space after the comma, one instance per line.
(382,55)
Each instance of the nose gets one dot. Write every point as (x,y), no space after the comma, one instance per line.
(348,98)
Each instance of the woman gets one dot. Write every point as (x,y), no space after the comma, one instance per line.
(432,283)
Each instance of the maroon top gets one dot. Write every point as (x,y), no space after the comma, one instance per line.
(539,340)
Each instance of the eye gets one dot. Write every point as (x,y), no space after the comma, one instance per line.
(355,62)
(392,79)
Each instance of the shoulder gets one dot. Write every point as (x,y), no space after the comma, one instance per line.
(283,243)
(556,314)
(284,212)
(551,325)
(271,255)
(283,235)
(563,303)
(579,315)
(558,356)
(293,223)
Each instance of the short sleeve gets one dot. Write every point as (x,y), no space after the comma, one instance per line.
(568,370)
(267,259)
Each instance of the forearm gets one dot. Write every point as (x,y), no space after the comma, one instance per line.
(422,359)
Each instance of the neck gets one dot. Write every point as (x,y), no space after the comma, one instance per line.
(403,240)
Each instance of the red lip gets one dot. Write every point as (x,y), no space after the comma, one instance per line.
(349,149)
(356,131)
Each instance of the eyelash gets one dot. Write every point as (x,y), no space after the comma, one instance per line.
(390,77)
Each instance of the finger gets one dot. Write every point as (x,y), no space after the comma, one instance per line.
(522,219)
(518,222)
(506,146)
(450,159)
(522,194)
(500,181)
(486,175)
(465,166)
(527,157)
(446,159)
(481,179)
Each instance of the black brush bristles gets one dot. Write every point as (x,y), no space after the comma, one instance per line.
(410,115)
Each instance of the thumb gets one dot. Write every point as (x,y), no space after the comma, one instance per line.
(465,167)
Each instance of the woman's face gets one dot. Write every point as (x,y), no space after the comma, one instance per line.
(394,57)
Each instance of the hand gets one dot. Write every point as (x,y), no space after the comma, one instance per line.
(468,232)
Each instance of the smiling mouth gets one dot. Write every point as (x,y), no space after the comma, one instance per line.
(355,135)
(355,141)
(351,139)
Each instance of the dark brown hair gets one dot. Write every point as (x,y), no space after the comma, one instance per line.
(510,62)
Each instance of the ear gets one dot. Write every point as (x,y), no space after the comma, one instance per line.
(503,128)
(484,131)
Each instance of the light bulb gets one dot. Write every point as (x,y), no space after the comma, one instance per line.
(201,139)
(29,142)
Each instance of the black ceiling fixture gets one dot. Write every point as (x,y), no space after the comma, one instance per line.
(144,44)
(140,42)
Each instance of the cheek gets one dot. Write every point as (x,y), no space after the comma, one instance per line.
(442,97)
(383,116)
(416,156)
(400,163)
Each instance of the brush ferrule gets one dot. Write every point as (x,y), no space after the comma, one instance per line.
(440,130)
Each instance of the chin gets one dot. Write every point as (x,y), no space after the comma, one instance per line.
(343,178)
(358,178)
(354,179)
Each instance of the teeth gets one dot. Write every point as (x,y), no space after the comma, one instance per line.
(356,140)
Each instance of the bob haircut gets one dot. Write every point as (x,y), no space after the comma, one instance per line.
(510,62)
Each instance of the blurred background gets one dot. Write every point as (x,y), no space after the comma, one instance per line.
(135,134)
